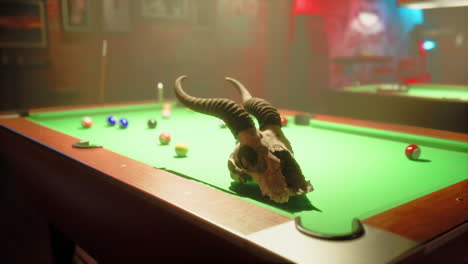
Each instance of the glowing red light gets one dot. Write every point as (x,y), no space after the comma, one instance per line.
(421,48)
(307,7)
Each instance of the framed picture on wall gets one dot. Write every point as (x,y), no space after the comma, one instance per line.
(77,15)
(116,15)
(165,9)
(22,24)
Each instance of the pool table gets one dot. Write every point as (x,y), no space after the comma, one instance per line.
(436,106)
(132,199)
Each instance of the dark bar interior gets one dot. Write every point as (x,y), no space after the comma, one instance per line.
(366,76)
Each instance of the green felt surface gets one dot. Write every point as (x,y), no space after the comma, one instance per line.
(356,172)
(423,90)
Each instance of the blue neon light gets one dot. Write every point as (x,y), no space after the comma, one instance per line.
(429,44)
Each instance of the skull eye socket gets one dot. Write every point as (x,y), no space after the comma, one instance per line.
(247,157)
(290,169)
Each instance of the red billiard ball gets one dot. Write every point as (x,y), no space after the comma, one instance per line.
(284,121)
(164,138)
(87,122)
(412,152)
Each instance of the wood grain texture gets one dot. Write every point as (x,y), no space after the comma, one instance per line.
(426,217)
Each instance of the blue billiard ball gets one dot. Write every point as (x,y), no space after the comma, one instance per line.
(123,122)
(111,120)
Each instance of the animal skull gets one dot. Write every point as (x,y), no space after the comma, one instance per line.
(263,154)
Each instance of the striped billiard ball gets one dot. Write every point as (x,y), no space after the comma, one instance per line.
(412,152)
(166,113)
(181,150)
(164,138)
(111,120)
(87,122)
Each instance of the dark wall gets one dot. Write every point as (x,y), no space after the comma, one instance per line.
(220,38)
(449,61)
(276,51)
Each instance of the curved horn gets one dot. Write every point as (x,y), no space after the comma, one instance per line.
(265,113)
(235,117)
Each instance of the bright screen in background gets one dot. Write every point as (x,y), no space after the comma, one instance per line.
(409,18)
(429,45)
(367,23)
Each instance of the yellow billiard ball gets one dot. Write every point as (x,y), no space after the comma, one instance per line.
(181,149)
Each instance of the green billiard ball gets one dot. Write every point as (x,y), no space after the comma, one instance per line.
(152,123)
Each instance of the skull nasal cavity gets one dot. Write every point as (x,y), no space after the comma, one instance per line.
(247,157)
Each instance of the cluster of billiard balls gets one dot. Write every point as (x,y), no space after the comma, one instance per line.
(181,149)
(112,120)
(412,151)
(87,122)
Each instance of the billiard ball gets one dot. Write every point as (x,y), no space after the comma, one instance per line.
(152,123)
(181,149)
(123,122)
(167,107)
(222,124)
(164,138)
(284,121)
(87,122)
(166,113)
(412,152)
(111,120)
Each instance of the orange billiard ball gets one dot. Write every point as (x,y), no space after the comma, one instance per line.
(87,122)
(164,138)
(167,107)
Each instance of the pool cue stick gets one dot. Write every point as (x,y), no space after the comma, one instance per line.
(103,70)
(160,92)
